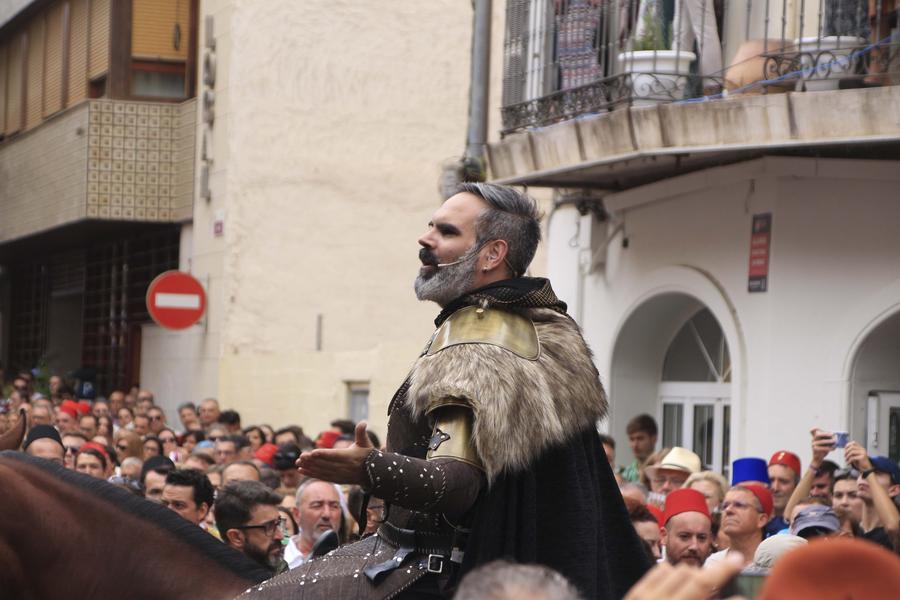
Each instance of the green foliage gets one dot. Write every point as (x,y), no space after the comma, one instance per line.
(652,31)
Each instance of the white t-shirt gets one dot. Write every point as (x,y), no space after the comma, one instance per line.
(292,555)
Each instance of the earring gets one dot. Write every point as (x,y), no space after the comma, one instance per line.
(484,269)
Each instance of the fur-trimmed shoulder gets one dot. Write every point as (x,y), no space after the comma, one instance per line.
(521,406)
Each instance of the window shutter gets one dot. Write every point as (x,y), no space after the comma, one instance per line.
(78,51)
(14,75)
(35,64)
(98,61)
(160,29)
(53,73)
(4,51)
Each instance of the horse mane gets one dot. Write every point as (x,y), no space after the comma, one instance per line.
(152,513)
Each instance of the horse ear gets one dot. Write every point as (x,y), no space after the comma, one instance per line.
(12,439)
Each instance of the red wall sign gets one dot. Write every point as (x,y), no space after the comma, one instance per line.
(760,240)
(176,300)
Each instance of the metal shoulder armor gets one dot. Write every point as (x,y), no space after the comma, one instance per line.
(476,325)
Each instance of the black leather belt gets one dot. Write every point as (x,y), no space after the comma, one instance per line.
(423,542)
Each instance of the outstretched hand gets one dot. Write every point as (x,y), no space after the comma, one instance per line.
(665,582)
(344,465)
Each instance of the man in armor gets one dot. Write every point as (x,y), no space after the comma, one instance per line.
(492,448)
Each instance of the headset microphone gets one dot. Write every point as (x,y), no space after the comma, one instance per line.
(456,262)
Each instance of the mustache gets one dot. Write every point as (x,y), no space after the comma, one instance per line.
(427,257)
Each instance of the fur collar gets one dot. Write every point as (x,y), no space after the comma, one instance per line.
(521,407)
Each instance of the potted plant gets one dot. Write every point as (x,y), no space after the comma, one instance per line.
(653,72)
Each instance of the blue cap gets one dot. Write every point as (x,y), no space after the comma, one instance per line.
(749,469)
(883,464)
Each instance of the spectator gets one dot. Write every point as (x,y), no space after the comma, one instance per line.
(822,442)
(125,418)
(343,426)
(157,419)
(746,510)
(100,408)
(265,455)
(288,435)
(145,396)
(750,471)
(712,485)
(128,444)
(501,580)
(823,481)
(191,439)
(290,525)
(646,525)
(93,460)
(239,470)
(879,484)
(72,442)
(231,420)
(687,534)
(169,442)
(216,432)
(41,415)
(152,447)
(771,549)
(153,476)
(609,448)
(815,521)
(231,448)
(66,417)
(209,413)
(199,461)
(141,424)
(285,462)
(188,493)
(116,401)
(43,441)
(845,498)
(317,510)
(268,433)
(131,469)
(784,475)
(248,520)
(672,471)
(105,428)
(255,436)
(214,474)
(187,414)
(642,433)
(635,491)
(143,405)
(87,424)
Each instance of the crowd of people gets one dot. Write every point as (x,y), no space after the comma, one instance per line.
(241,484)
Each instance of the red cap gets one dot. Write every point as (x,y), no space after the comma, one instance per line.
(327,439)
(788,459)
(762,494)
(70,408)
(657,514)
(266,453)
(83,407)
(685,500)
(94,446)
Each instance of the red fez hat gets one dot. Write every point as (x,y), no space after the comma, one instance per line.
(657,514)
(762,494)
(327,439)
(83,407)
(685,500)
(94,446)
(266,453)
(788,459)
(70,408)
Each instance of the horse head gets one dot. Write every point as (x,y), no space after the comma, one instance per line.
(12,439)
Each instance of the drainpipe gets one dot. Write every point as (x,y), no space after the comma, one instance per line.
(476,138)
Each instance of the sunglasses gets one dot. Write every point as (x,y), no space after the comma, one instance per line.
(156,417)
(166,440)
(215,438)
(72,449)
(269,527)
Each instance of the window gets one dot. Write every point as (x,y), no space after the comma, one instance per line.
(160,42)
(358,401)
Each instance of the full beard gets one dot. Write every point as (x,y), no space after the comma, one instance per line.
(446,284)
(267,557)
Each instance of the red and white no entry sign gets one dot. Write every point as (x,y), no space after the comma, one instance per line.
(176,300)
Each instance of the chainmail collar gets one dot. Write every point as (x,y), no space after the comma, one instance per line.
(521,292)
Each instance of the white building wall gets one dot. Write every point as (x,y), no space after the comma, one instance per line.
(792,347)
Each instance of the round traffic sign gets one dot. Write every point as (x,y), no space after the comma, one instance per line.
(176,300)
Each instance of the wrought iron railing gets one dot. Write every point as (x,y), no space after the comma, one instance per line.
(565,58)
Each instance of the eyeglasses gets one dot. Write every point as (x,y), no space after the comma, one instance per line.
(737,504)
(674,479)
(167,440)
(215,438)
(269,527)
(122,446)
(156,417)
(72,449)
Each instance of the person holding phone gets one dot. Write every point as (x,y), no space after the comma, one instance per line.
(878,483)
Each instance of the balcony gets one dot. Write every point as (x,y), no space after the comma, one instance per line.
(615,93)
(102,161)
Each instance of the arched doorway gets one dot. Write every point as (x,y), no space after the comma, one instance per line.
(875,389)
(695,391)
(671,359)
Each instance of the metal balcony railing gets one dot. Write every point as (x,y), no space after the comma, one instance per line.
(565,58)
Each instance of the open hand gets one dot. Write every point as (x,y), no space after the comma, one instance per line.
(344,465)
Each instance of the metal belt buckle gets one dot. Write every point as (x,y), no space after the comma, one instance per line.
(435,563)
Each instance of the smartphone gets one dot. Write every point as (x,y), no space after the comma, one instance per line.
(841,438)
(747,585)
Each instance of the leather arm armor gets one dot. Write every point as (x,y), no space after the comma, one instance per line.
(447,482)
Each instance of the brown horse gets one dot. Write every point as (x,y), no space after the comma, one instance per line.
(67,535)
